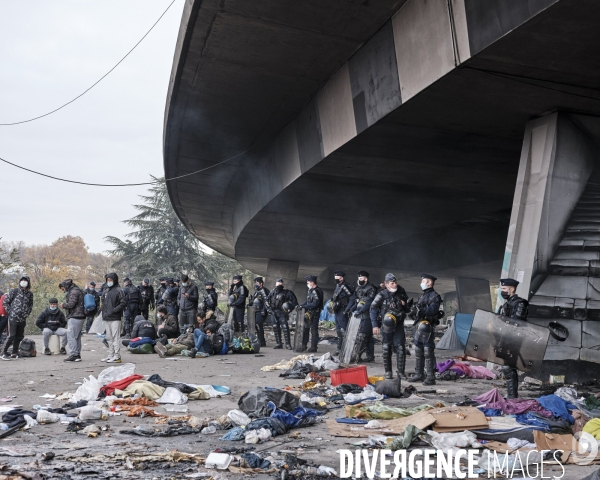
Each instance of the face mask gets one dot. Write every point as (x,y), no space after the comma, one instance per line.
(164,284)
(505,295)
(393,290)
(338,280)
(53,308)
(308,286)
(209,290)
(362,282)
(424,286)
(109,284)
(279,288)
(184,284)
(23,283)
(256,287)
(158,315)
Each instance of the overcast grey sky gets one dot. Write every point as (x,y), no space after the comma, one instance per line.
(50,52)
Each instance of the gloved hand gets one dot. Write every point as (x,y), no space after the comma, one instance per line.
(298,307)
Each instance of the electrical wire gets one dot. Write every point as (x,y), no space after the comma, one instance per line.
(523,79)
(97,82)
(126,184)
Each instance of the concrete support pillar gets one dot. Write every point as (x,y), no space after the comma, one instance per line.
(557,160)
(473,294)
(282,269)
(554,238)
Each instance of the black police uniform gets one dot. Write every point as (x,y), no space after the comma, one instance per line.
(360,303)
(386,302)
(238,293)
(513,307)
(312,312)
(338,303)
(132,294)
(427,317)
(211,299)
(258,301)
(147,299)
(275,300)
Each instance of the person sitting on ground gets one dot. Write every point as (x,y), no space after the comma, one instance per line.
(202,335)
(142,329)
(168,326)
(52,321)
(183,342)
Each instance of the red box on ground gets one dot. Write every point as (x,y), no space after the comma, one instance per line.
(356,375)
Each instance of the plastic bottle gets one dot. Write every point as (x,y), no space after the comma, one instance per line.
(3,426)
(208,430)
(44,416)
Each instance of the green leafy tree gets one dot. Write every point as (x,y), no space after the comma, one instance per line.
(159,244)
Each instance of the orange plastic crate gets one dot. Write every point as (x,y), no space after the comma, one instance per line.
(356,375)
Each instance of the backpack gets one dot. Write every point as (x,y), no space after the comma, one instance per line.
(89,302)
(242,344)
(218,342)
(27,348)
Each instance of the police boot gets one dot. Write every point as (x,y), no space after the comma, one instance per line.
(286,335)
(429,366)
(360,345)
(512,382)
(419,375)
(277,332)
(339,341)
(387,360)
(314,341)
(401,361)
(260,331)
(305,338)
(370,350)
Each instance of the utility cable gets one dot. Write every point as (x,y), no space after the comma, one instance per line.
(126,184)
(97,82)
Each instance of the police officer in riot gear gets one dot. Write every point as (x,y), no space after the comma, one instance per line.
(427,316)
(258,301)
(360,302)
(514,307)
(280,302)
(169,297)
(210,300)
(312,311)
(387,313)
(238,293)
(147,297)
(133,296)
(337,305)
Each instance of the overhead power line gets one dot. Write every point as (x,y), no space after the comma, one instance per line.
(94,84)
(125,184)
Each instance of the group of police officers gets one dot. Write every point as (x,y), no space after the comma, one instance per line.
(380,309)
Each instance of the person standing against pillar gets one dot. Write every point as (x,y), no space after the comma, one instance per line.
(312,311)
(513,307)
(258,301)
(280,302)
(387,314)
(360,303)
(238,293)
(338,303)
(427,316)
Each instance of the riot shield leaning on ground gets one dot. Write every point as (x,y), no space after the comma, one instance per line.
(229,316)
(350,347)
(297,317)
(251,320)
(507,341)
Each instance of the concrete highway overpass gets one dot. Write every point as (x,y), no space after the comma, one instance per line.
(381,135)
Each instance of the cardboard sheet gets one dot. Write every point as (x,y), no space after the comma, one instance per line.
(457,419)
(396,426)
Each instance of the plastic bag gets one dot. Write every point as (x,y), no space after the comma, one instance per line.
(254,402)
(234,435)
(30,422)
(44,416)
(390,388)
(89,390)
(112,374)
(238,418)
(98,327)
(172,395)
(90,412)
(257,436)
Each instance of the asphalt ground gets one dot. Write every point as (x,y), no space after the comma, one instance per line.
(30,378)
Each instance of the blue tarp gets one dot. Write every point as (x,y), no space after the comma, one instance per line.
(462,326)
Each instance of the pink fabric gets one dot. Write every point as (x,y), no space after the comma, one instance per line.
(482,372)
(511,406)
